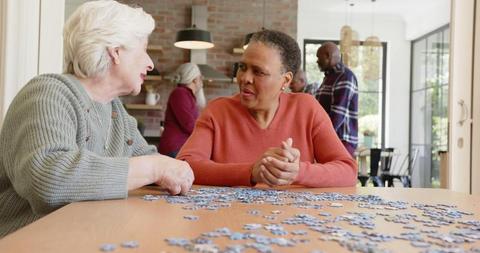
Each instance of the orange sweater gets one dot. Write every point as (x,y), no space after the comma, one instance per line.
(227,141)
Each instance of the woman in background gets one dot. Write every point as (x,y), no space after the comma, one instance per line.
(182,109)
(68,138)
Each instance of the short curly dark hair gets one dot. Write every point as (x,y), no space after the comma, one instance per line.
(286,45)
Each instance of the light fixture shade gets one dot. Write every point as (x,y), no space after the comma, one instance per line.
(354,54)
(371,62)
(193,38)
(346,43)
(247,40)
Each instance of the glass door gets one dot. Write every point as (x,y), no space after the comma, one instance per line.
(428,105)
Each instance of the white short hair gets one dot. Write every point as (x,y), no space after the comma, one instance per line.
(96,26)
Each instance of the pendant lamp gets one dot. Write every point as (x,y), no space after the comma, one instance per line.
(346,43)
(193,38)
(372,49)
(354,54)
(349,42)
(371,63)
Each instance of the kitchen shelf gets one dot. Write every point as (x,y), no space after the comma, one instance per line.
(154,48)
(153,77)
(143,107)
(238,50)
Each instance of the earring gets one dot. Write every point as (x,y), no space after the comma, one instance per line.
(283,88)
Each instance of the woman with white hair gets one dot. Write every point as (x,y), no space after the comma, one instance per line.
(67,138)
(182,109)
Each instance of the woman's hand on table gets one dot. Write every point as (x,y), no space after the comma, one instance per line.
(170,174)
(175,176)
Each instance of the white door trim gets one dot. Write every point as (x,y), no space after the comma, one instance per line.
(475,168)
(20,37)
(460,98)
(30,44)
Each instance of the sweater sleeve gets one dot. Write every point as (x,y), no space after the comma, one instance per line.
(183,108)
(46,163)
(197,151)
(334,166)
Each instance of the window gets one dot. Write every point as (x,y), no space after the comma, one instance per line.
(371,93)
(429,104)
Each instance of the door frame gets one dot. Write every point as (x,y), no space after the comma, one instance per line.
(462,31)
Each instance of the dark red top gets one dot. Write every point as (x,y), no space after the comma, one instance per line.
(180,117)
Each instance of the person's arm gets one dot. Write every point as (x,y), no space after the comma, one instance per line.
(184,109)
(334,166)
(197,151)
(146,166)
(343,91)
(43,161)
(47,162)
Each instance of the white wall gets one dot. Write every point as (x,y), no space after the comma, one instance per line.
(421,21)
(315,23)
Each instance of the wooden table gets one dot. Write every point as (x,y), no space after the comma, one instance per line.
(85,226)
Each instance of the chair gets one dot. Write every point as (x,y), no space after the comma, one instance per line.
(362,155)
(403,171)
(380,163)
(385,163)
(386,158)
(375,157)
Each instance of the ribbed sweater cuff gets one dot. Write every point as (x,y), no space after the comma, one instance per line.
(115,178)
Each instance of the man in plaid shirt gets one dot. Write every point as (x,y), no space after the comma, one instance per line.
(338,94)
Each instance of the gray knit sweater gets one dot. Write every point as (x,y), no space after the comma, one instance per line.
(57,146)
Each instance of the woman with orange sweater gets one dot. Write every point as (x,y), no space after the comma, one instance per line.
(263,135)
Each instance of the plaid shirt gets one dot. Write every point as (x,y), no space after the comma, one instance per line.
(338,95)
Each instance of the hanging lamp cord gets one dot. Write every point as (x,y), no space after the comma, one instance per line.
(346,12)
(263,20)
(373,18)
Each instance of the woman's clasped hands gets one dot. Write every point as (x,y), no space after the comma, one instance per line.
(278,165)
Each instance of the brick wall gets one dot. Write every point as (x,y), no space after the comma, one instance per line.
(228,21)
